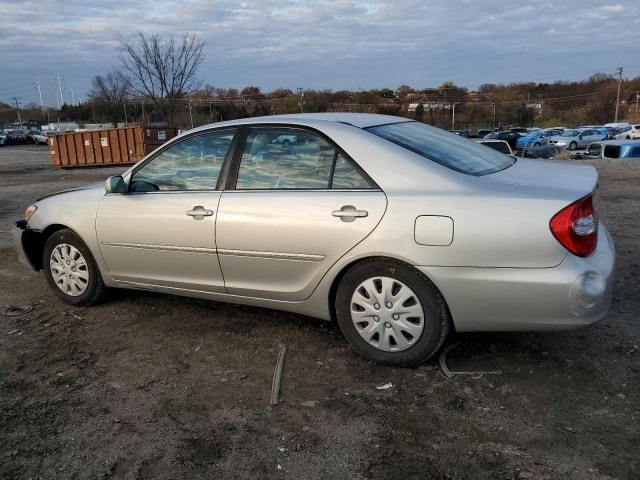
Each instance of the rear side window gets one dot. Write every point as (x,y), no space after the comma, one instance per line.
(452,151)
(280,158)
(612,151)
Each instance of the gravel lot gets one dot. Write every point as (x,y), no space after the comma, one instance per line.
(153,386)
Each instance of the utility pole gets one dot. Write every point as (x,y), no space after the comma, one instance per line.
(73,97)
(190,114)
(39,88)
(301,99)
(493,124)
(453,116)
(124,105)
(619,72)
(18,109)
(637,96)
(60,88)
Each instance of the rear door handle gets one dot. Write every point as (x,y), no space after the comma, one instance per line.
(349,213)
(199,212)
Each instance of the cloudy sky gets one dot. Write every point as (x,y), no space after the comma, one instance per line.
(336,44)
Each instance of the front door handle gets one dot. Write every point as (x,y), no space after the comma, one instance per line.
(199,212)
(349,213)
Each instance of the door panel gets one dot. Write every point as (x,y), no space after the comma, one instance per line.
(150,238)
(278,244)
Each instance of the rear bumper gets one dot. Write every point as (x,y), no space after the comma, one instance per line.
(574,294)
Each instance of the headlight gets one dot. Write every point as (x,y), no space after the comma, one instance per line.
(29,212)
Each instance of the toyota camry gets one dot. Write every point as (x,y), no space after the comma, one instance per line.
(399,231)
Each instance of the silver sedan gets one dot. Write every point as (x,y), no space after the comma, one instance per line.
(399,231)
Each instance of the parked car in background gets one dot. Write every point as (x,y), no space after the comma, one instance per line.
(520,130)
(612,149)
(510,137)
(537,138)
(40,138)
(499,145)
(578,138)
(629,132)
(3,139)
(462,133)
(612,132)
(17,137)
(326,228)
(482,132)
(552,152)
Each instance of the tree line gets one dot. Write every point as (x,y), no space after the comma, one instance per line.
(157,82)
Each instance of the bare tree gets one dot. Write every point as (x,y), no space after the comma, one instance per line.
(162,70)
(109,93)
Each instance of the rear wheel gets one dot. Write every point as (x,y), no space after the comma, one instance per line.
(573,146)
(391,313)
(71,270)
(628,137)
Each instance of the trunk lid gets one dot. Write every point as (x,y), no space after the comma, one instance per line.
(552,179)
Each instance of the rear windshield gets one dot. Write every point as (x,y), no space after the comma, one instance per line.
(452,151)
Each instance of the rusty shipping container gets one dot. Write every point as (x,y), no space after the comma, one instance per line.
(115,146)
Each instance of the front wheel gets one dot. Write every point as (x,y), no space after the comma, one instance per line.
(70,269)
(391,313)
(573,146)
(628,137)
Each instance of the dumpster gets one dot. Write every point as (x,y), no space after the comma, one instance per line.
(115,146)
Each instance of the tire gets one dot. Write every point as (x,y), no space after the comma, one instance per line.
(377,273)
(573,146)
(628,137)
(536,144)
(82,284)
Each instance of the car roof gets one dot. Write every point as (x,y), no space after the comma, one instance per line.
(360,120)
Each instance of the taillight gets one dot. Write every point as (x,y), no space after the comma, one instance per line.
(576,227)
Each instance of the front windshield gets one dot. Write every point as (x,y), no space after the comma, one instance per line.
(571,133)
(452,151)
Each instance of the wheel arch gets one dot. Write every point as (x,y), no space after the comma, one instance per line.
(343,271)
(34,243)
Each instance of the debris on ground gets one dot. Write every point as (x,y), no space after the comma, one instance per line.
(452,373)
(15,311)
(277,376)
(310,403)
(385,386)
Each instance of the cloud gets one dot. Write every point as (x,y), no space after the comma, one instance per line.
(330,44)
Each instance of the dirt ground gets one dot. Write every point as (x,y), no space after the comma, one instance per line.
(153,386)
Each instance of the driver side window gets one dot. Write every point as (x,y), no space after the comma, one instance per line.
(193,164)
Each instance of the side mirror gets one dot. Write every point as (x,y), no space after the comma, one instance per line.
(115,184)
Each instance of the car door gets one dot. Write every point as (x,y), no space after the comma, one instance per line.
(586,137)
(290,211)
(162,231)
